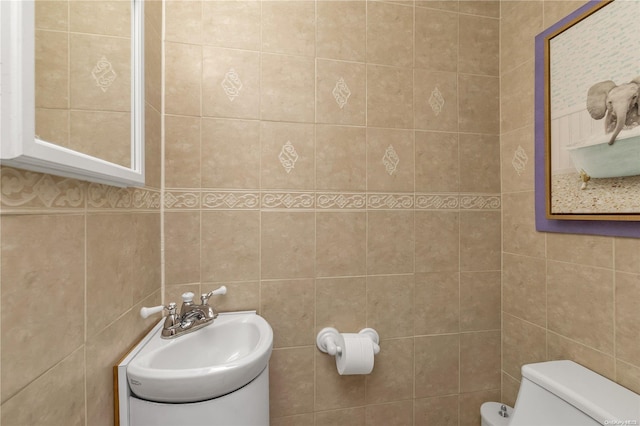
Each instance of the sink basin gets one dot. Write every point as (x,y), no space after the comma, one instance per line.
(213,361)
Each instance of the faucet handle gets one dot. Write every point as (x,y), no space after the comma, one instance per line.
(146,312)
(205,296)
(187,297)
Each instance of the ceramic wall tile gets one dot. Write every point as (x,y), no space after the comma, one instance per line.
(390,305)
(517,96)
(340,158)
(389,97)
(590,250)
(391,414)
(291,382)
(230,83)
(340,244)
(30,350)
(87,91)
(110,240)
(100,17)
(479,163)
(479,52)
(436,411)
(182,151)
(392,378)
(522,343)
(519,235)
(390,160)
(52,69)
(389,34)
(435,95)
(437,361)
(52,15)
(341,303)
(437,241)
(437,162)
(183,73)
(520,23)
(627,255)
(340,92)
(183,23)
(436,38)
(230,249)
(288,306)
(355,416)
(627,293)
(518,164)
(55,397)
(292,99)
(436,307)
(182,242)
(230,156)
(480,250)
(479,361)
(243,16)
(390,242)
(479,301)
(479,100)
(580,304)
(341,30)
(288,27)
(489,8)
(288,245)
(524,289)
(288,155)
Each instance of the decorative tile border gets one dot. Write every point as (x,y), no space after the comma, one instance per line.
(230,200)
(343,201)
(437,201)
(288,200)
(25,189)
(390,201)
(101,196)
(480,202)
(176,199)
(22,190)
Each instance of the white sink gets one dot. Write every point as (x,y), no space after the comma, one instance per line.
(213,361)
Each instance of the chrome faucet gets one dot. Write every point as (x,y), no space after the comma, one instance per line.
(191,317)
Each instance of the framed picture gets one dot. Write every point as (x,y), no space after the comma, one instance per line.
(588,121)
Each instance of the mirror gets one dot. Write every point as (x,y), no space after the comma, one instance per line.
(72,89)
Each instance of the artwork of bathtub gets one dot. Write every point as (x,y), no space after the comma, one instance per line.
(598,159)
(580,144)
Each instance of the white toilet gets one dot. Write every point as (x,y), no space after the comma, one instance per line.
(563,393)
(495,414)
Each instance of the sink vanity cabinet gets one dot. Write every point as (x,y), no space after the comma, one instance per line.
(248,405)
(215,376)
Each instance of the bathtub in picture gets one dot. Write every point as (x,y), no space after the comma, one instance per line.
(598,159)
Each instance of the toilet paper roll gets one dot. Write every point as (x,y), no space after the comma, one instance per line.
(356,356)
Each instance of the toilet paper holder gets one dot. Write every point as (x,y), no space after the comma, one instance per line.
(327,342)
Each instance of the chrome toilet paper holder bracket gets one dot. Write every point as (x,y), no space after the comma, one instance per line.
(327,341)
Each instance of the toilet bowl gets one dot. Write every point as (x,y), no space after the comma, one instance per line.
(563,393)
(495,414)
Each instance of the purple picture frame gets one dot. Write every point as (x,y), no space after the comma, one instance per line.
(543,224)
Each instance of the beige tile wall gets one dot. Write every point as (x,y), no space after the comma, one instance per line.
(563,296)
(337,164)
(77,261)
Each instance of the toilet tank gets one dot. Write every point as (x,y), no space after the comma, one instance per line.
(563,393)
